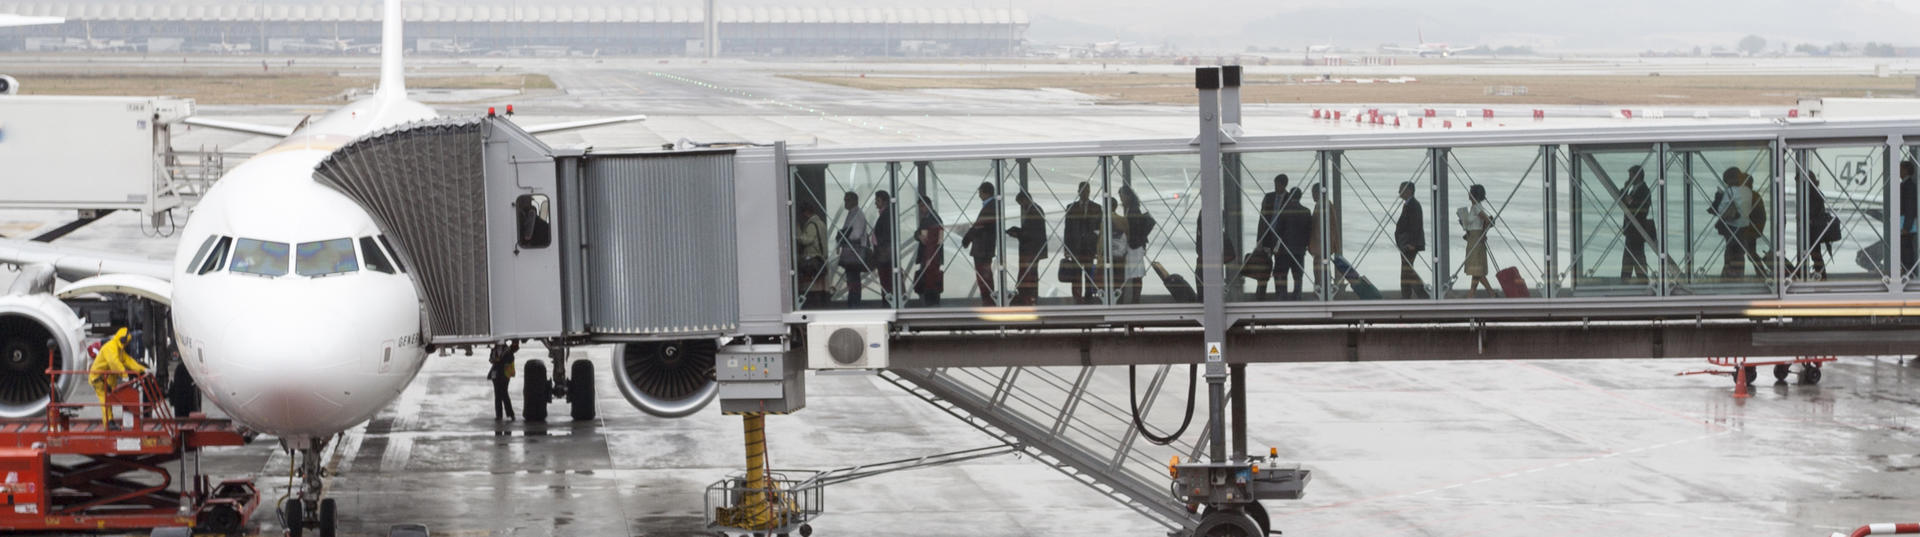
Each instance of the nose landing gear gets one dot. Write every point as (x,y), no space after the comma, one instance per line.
(307,509)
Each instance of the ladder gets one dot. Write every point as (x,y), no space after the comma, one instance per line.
(1050,414)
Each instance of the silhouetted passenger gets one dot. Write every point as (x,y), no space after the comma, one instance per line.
(812,254)
(1909,218)
(1139,229)
(1267,248)
(929,258)
(1324,243)
(1081,244)
(1031,239)
(855,245)
(1296,233)
(1410,238)
(983,242)
(1638,225)
(882,259)
(1475,221)
(1733,210)
(1821,225)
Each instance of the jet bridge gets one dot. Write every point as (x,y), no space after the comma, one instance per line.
(1002,276)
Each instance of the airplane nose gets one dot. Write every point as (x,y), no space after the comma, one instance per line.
(287,374)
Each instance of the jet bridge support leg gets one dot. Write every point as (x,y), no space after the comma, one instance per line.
(1229,484)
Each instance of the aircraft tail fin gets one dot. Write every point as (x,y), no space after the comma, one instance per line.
(393,72)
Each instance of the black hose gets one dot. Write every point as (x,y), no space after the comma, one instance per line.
(1133,402)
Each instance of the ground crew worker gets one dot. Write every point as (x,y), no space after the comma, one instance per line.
(500,370)
(109,369)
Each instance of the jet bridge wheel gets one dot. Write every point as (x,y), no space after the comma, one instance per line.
(1255,510)
(536,392)
(1224,523)
(580,390)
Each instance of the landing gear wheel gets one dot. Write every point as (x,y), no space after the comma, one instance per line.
(537,392)
(1781,371)
(296,517)
(1227,524)
(580,390)
(326,517)
(1810,374)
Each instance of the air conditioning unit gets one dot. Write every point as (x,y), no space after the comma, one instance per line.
(834,344)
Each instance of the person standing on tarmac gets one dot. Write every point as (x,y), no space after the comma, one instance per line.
(500,370)
(110,367)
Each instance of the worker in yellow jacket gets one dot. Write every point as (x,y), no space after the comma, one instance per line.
(109,369)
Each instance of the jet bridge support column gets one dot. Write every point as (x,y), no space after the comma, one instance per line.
(1230,486)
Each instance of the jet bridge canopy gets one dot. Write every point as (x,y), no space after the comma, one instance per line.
(507,238)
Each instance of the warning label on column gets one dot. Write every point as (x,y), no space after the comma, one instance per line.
(1213,351)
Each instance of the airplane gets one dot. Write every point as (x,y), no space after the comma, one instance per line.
(8,20)
(290,308)
(332,46)
(89,44)
(1425,49)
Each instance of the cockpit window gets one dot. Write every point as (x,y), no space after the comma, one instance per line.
(258,257)
(325,258)
(376,261)
(216,258)
(201,255)
(396,254)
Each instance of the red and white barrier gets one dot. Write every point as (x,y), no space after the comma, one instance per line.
(1885,528)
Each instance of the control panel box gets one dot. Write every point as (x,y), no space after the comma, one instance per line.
(760,378)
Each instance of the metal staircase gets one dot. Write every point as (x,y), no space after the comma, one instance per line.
(1053,415)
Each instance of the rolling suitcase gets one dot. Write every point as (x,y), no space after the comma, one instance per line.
(1363,288)
(1511,283)
(1176,285)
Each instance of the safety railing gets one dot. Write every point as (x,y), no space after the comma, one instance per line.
(137,395)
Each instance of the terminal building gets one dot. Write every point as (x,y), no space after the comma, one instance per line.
(481,27)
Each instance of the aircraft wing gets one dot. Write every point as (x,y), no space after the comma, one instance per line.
(8,20)
(73,264)
(236,126)
(577,125)
(1401,49)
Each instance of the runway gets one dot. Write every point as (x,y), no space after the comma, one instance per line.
(1405,448)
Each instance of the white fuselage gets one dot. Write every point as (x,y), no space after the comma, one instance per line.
(320,340)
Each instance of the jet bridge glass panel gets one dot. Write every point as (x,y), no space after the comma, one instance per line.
(1356,257)
(1064,263)
(1494,221)
(1909,218)
(1276,222)
(1615,214)
(1720,228)
(1837,225)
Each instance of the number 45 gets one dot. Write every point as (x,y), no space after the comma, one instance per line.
(1856,171)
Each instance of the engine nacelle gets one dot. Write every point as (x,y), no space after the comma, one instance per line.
(9,85)
(669,379)
(37,330)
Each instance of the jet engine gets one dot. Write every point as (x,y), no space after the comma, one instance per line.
(9,85)
(669,379)
(36,330)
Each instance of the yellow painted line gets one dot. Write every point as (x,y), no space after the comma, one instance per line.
(1833,312)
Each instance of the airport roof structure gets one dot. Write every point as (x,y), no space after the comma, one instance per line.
(501,13)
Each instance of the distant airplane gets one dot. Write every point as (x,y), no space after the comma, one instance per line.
(8,20)
(332,46)
(1425,49)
